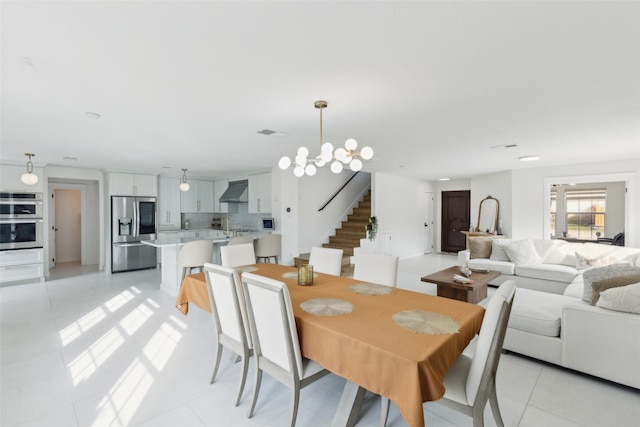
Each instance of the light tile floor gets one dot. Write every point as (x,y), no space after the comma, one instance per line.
(111,350)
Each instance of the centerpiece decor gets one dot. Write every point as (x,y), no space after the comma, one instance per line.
(305,275)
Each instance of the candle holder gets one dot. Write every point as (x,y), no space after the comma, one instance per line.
(305,275)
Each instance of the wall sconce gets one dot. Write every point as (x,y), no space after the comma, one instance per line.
(184,185)
(29,178)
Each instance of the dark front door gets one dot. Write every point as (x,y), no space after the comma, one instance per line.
(455,218)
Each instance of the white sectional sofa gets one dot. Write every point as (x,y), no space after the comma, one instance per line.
(552,318)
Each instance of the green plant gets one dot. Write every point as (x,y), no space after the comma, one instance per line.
(372,228)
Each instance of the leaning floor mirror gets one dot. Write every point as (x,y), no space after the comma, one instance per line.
(488,215)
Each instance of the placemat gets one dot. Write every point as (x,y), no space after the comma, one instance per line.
(426,322)
(327,306)
(370,289)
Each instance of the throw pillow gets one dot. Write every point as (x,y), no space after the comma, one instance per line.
(624,298)
(583,262)
(497,250)
(600,286)
(522,252)
(600,273)
(480,246)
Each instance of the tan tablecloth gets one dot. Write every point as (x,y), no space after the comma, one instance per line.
(366,346)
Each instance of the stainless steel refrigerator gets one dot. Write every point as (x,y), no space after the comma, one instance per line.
(133,219)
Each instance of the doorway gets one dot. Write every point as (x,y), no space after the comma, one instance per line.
(456,212)
(66,228)
(73,224)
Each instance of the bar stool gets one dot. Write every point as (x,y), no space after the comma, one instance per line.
(194,255)
(268,247)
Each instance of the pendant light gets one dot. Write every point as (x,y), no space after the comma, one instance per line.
(184,185)
(347,155)
(29,177)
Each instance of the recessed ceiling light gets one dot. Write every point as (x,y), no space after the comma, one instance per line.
(528,158)
(70,159)
(444,179)
(91,115)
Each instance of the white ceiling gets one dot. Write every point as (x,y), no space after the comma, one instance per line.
(431,86)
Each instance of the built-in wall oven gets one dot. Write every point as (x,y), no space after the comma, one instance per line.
(21,224)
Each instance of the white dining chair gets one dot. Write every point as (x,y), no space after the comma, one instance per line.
(268,246)
(237,255)
(240,240)
(275,339)
(326,260)
(229,312)
(376,268)
(471,381)
(194,254)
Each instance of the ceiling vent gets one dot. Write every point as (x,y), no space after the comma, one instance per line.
(272,133)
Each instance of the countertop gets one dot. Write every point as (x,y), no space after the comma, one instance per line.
(179,241)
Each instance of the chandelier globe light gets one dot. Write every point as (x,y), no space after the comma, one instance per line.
(303,165)
(184,185)
(29,178)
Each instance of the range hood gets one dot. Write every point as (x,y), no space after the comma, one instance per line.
(238,192)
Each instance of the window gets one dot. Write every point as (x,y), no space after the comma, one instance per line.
(586,212)
(578,212)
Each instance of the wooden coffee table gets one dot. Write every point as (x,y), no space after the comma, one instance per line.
(474,292)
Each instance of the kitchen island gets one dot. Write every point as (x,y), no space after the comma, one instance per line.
(169,249)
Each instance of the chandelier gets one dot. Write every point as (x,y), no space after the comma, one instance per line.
(303,164)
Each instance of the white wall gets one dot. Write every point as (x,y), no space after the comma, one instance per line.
(285,212)
(531,194)
(498,186)
(399,204)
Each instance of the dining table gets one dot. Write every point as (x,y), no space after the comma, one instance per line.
(393,342)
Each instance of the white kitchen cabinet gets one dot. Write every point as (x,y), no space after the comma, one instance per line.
(199,198)
(22,264)
(219,187)
(260,193)
(169,203)
(129,184)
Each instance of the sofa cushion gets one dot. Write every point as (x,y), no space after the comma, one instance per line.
(631,257)
(522,252)
(556,273)
(623,298)
(503,267)
(598,286)
(575,288)
(538,312)
(564,254)
(497,250)
(594,274)
(545,246)
(480,246)
(583,261)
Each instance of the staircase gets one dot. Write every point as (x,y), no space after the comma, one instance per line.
(347,237)
(353,229)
